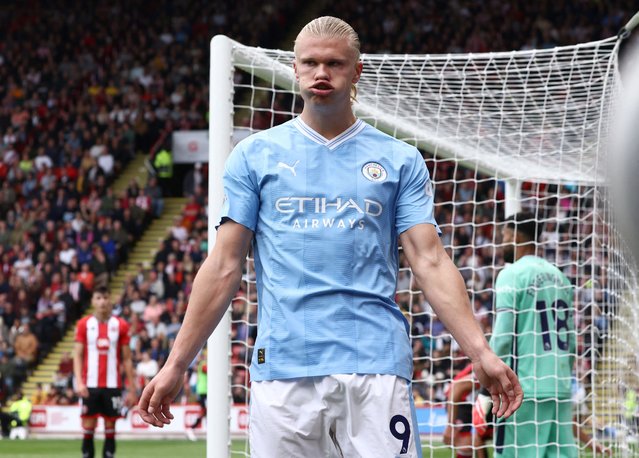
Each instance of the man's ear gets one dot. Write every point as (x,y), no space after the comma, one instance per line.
(359,66)
(521,238)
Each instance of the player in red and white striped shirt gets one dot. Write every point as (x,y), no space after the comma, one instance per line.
(459,431)
(101,351)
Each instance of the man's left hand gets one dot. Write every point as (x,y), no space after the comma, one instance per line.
(501,382)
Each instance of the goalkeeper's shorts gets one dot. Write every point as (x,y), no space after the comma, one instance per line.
(341,415)
(540,428)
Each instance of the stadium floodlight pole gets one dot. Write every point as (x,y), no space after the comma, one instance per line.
(220,144)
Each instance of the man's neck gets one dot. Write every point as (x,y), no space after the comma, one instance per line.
(101,317)
(524,251)
(328,125)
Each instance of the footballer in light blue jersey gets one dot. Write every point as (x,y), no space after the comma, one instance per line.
(326,216)
(332,362)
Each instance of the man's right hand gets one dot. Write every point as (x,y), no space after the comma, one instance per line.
(155,403)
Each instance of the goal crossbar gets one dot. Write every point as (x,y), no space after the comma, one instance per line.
(535,115)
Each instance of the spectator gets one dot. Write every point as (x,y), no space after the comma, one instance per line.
(106,162)
(173,327)
(22,266)
(42,162)
(138,305)
(156,284)
(194,178)
(147,367)
(191,212)
(40,395)
(26,347)
(178,231)
(155,327)
(67,397)
(86,277)
(60,381)
(67,253)
(99,266)
(18,416)
(157,351)
(78,293)
(9,373)
(65,366)
(154,191)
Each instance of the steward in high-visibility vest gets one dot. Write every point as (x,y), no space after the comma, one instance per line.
(201,390)
(18,415)
(163,164)
(22,409)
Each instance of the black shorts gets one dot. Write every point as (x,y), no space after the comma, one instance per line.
(465,417)
(105,402)
(201,399)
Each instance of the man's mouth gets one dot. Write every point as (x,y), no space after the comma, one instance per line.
(321,88)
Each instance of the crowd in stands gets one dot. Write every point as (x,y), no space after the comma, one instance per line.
(82,92)
(439,27)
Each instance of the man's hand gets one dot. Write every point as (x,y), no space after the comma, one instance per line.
(131,397)
(501,382)
(155,402)
(82,390)
(598,448)
(447,438)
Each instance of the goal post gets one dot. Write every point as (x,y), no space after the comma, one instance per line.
(499,132)
(219,343)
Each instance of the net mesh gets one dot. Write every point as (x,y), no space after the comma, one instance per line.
(535,118)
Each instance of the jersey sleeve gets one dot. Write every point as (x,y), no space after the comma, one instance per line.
(81,332)
(415,200)
(241,192)
(506,290)
(503,336)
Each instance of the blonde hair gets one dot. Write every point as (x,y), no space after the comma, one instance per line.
(332,27)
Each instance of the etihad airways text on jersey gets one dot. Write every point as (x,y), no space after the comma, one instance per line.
(311,206)
(322,205)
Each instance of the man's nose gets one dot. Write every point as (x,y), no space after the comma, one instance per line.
(321,72)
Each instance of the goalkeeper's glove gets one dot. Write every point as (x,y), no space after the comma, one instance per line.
(482,414)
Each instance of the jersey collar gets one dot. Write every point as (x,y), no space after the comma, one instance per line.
(311,134)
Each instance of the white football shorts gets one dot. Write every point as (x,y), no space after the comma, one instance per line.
(335,416)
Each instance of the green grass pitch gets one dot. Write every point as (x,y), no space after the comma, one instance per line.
(64,448)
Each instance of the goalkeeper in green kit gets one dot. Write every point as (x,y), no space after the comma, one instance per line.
(534,332)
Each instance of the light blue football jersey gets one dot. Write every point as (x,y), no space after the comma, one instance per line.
(326,215)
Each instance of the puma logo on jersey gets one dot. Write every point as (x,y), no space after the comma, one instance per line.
(282,165)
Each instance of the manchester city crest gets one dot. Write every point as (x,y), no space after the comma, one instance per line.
(374,171)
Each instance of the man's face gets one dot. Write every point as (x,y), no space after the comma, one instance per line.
(101,303)
(326,68)
(508,244)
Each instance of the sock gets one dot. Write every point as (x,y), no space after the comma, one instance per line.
(109,443)
(87,444)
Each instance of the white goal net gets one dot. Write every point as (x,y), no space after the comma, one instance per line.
(499,132)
